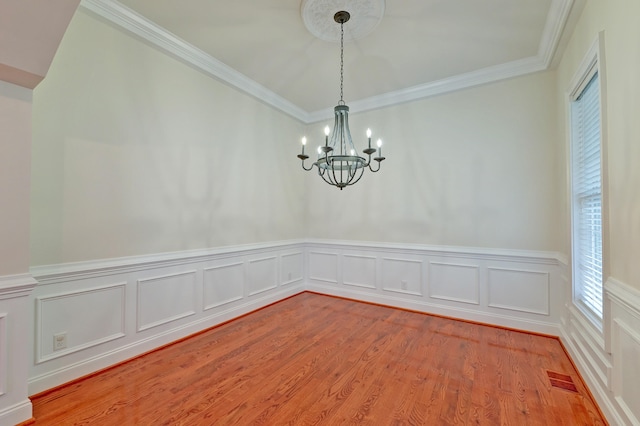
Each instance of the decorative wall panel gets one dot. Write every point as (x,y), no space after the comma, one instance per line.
(87,318)
(262,275)
(454,282)
(359,271)
(291,268)
(402,276)
(323,267)
(165,298)
(157,299)
(223,284)
(626,361)
(519,290)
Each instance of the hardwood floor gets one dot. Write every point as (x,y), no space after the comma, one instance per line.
(315,359)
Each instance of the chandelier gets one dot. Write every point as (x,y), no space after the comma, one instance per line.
(338,162)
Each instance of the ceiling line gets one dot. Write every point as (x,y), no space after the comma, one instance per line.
(131,21)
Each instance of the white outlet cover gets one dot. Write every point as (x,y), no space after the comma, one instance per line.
(59,341)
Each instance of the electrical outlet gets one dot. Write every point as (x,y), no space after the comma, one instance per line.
(403,284)
(289,276)
(59,341)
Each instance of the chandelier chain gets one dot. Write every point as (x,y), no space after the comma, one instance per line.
(341,63)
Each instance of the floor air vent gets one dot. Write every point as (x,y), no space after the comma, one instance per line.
(562,381)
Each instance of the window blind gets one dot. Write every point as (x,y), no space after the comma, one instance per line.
(587,194)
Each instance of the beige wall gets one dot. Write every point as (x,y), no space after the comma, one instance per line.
(136,153)
(618,20)
(472,168)
(15,160)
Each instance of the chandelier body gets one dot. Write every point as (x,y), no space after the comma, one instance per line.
(338,162)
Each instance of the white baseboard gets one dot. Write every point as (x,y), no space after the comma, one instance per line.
(16,413)
(534,326)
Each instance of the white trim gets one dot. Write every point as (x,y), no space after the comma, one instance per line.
(586,70)
(4,355)
(447,85)
(529,256)
(16,413)
(554,27)
(131,21)
(600,393)
(624,295)
(456,312)
(591,63)
(20,285)
(52,274)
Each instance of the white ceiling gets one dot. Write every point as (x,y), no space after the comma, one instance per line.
(420,47)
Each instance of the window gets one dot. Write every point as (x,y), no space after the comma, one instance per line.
(586,190)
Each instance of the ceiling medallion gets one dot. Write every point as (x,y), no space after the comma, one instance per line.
(317,16)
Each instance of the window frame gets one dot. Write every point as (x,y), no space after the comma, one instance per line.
(592,64)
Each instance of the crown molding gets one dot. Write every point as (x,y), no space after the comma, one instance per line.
(439,87)
(556,22)
(127,19)
(138,25)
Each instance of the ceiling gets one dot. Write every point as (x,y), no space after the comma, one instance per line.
(419,48)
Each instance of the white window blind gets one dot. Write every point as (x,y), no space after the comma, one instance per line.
(587,199)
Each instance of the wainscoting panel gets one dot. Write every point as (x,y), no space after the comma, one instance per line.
(626,360)
(503,287)
(611,371)
(115,309)
(223,284)
(165,299)
(3,353)
(625,348)
(359,271)
(263,275)
(291,268)
(458,283)
(87,318)
(519,290)
(403,276)
(323,267)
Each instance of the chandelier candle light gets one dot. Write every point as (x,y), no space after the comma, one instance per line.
(337,162)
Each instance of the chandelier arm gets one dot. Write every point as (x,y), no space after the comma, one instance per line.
(370,168)
(368,162)
(310,167)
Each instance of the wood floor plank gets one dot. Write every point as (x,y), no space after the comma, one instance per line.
(314,359)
